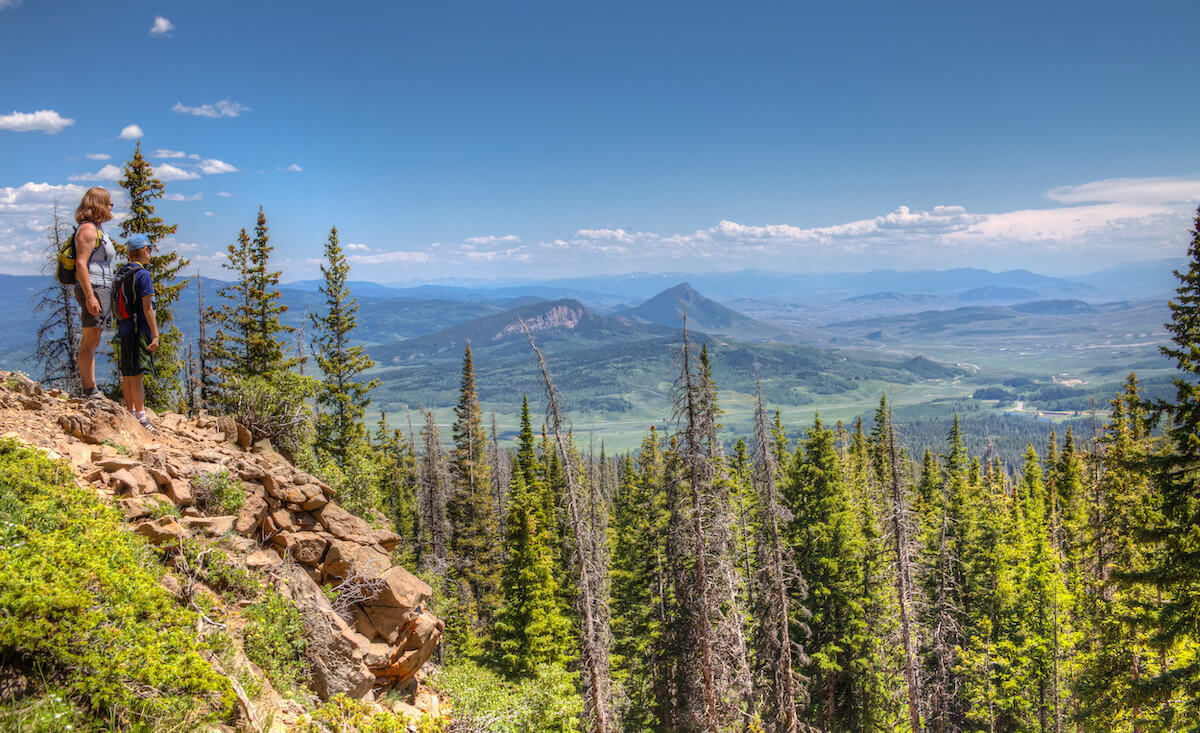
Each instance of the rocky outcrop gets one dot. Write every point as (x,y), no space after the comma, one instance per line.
(289,526)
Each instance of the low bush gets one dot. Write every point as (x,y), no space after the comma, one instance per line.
(274,639)
(276,406)
(81,607)
(218,493)
(483,699)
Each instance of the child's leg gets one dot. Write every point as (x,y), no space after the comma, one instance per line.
(127,390)
(139,397)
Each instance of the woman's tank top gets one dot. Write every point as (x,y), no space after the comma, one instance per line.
(100,264)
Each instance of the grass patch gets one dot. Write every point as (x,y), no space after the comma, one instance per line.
(274,639)
(81,608)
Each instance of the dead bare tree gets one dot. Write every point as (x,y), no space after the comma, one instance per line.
(590,560)
(775,651)
(433,490)
(899,524)
(713,680)
(58,335)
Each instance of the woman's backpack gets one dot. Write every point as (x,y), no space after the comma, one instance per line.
(65,272)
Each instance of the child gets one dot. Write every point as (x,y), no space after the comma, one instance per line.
(137,328)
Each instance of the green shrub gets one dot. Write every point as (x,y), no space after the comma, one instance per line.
(545,703)
(81,604)
(218,493)
(213,567)
(346,715)
(276,406)
(274,639)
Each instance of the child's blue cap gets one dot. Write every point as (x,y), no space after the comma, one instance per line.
(137,241)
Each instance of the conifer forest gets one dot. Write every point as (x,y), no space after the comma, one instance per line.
(709,582)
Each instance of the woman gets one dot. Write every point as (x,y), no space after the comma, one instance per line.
(92,288)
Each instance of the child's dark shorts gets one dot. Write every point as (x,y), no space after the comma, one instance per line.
(133,355)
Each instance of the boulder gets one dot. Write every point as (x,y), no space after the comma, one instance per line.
(243,436)
(136,507)
(344,556)
(251,514)
(394,611)
(417,648)
(112,465)
(180,491)
(307,548)
(161,530)
(334,654)
(262,560)
(215,526)
(344,525)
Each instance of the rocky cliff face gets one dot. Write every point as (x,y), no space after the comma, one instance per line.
(289,528)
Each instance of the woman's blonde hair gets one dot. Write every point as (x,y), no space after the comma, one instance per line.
(94,206)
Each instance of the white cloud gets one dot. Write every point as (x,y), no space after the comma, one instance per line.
(492,239)
(293,168)
(44,120)
(97,156)
(357,247)
(225,194)
(185,246)
(224,108)
(108,173)
(385,258)
(4,4)
(209,213)
(1128,190)
(25,213)
(517,254)
(131,132)
(169,154)
(161,26)
(181,197)
(212,166)
(168,172)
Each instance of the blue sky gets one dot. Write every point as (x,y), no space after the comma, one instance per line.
(533,140)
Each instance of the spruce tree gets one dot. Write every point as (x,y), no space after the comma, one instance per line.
(530,628)
(474,532)
(231,323)
(640,592)
(343,397)
(828,547)
(1175,527)
(264,348)
(164,388)
(1117,654)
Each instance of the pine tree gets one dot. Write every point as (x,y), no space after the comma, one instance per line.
(264,347)
(231,322)
(530,628)
(58,335)
(398,486)
(640,592)
(470,510)
(1117,653)
(339,427)
(828,548)
(1175,528)
(164,389)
